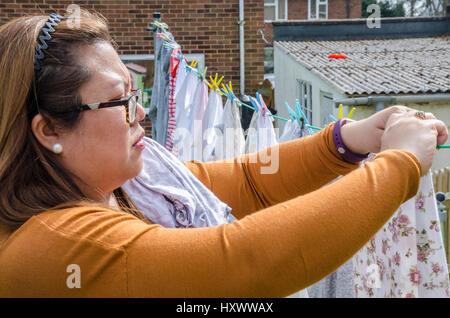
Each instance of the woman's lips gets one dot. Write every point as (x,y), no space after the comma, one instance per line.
(140,143)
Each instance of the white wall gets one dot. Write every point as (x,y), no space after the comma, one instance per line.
(287,74)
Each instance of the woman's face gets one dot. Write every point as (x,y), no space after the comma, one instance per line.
(102,149)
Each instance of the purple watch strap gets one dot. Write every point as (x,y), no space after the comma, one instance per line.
(341,148)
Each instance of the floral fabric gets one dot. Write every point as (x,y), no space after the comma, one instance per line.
(406,258)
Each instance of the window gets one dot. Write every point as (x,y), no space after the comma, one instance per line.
(317,9)
(275,10)
(268,60)
(145,82)
(306,99)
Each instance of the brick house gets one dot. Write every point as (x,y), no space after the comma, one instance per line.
(282,10)
(207,30)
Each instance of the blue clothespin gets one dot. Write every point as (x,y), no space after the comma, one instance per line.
(333,118)
(299,111)
(179,56)
(258,98)
(225,93)
(231,92)
(252,100)
(292,114)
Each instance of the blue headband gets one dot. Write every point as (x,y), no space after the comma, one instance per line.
(46,30)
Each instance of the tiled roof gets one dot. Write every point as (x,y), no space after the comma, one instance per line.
(409,66)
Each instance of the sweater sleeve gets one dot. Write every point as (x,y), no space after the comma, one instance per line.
(275,251)
(255,181)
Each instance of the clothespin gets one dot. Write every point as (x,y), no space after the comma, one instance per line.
(180,56)
(302,115)
(291,112)
(226,92)
(213,82)
(210,86)
(194,63)
(333,118)
(216,83)
(258,97)
(253,101)
(160,25)
(340,111)
(201,73)
(230,91)
(351,113)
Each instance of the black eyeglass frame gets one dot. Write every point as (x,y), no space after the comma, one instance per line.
(120,102)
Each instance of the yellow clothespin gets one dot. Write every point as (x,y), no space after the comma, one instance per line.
(213,82)
(216,83)
(194,63)
(220,80)
(231,87)
(210,86)
(351,113)
(340,111)
(225,89)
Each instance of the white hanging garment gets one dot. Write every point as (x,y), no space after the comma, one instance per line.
(292,131)
(212,122)
(183,114)
(181,76)
(231,142)
(260,133)
(199,104)
(406,258)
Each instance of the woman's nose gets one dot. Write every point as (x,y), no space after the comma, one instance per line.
(140,113)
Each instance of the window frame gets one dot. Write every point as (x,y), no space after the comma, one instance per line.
(306,109)
(275,4)
(318,2)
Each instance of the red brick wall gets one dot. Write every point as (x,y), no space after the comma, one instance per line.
(206,26)
(147,125)
(298,10)
(337,9)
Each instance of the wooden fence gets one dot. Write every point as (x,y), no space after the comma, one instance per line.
(441,182)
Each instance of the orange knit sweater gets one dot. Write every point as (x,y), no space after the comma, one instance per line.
(292,231)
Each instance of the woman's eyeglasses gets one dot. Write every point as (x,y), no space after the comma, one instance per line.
(129,102)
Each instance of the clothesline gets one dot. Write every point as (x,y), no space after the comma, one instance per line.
(229,93)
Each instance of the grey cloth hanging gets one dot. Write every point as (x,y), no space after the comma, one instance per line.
(159,104)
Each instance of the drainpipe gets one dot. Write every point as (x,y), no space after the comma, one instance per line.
(241,23)
(380,101)
(348,9)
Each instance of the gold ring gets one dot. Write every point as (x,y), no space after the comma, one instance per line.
(420,115)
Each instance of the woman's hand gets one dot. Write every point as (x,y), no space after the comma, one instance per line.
(414,135)
(365,135)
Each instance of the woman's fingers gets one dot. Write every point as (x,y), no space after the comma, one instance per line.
(400,111)
(442,131)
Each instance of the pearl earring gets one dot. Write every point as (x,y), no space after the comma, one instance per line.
(57,148)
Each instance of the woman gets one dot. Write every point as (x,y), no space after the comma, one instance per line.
(62,163)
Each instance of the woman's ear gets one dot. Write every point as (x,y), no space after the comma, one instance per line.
(44,132)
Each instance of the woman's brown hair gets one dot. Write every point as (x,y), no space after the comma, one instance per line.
(31,180)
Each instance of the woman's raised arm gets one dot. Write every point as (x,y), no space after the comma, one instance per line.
(259,180)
